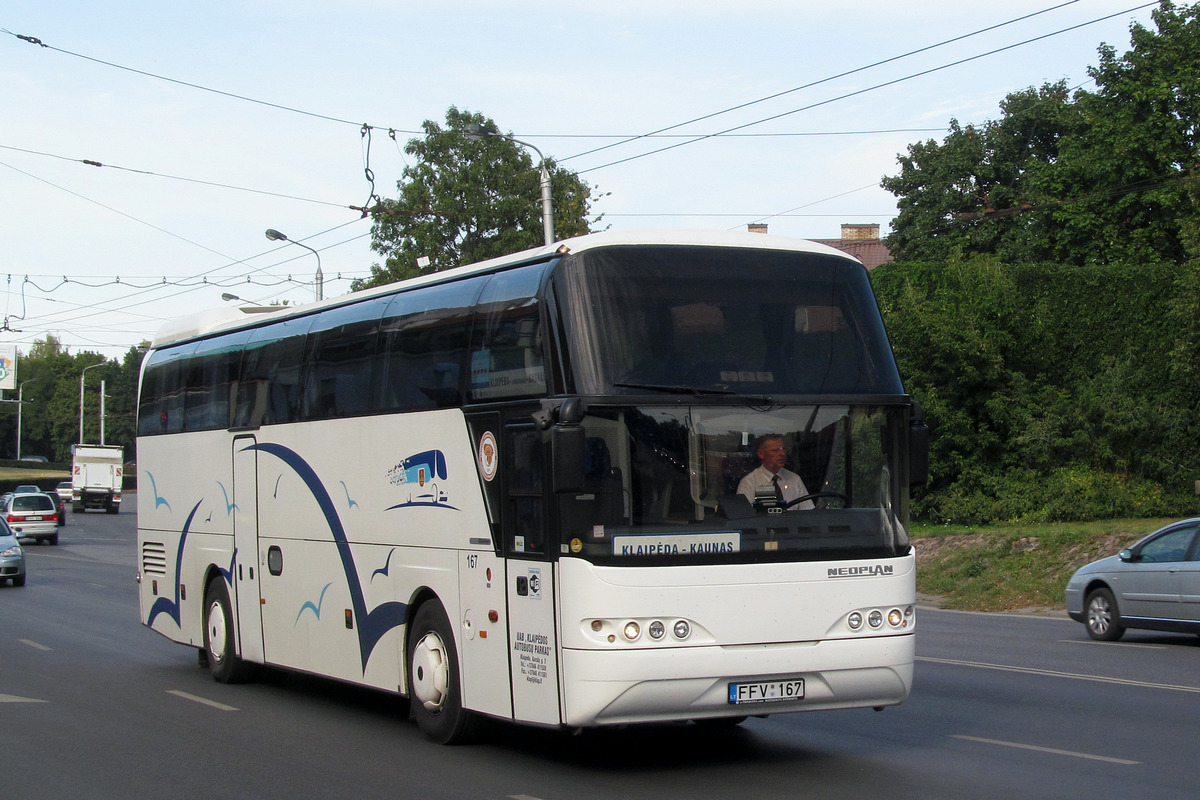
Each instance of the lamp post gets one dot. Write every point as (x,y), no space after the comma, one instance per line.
(476,131)
(82,375)
(276,236)
(20,400)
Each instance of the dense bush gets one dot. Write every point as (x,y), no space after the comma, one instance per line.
(1053,393)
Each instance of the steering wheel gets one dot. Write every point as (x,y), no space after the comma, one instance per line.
(845,500)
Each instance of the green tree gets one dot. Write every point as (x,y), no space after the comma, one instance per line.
(467,199)
(1098,177)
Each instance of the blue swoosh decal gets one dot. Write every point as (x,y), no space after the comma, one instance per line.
(165,605)
(387,565)
(373,624)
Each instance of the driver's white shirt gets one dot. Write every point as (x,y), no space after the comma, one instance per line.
(789,483)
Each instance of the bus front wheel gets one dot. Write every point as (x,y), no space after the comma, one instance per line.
(219,646)
(434,687)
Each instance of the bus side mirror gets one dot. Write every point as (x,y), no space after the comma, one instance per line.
(918,447)
(568,448)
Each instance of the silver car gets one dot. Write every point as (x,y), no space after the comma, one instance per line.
(33,516)
(1155,584)
(12,558)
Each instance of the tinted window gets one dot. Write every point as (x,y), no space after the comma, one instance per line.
(210,379)
(506,346)
(341,348)
(162,401)
(728,319)
(270,388)
(424,347)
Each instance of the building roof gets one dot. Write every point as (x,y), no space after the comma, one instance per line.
(871,252)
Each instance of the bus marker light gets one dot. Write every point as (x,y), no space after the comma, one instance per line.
(597,625)
(350,618)
(493,616)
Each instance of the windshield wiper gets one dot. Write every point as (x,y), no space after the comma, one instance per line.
(672,389)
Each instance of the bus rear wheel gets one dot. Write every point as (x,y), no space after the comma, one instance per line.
(434,687)
(219,640)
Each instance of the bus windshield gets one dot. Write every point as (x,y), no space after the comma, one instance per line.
(679,320)
(674,484)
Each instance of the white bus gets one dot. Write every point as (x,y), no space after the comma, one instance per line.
(509,490)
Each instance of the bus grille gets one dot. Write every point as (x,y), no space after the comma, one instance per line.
(154,558)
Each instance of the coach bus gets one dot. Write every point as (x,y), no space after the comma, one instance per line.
(510,490)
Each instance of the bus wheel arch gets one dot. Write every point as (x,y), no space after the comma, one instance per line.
(434,681)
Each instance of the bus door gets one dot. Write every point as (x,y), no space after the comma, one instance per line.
(530,577)
(244,507)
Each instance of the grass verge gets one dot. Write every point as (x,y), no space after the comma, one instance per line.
(1004,568)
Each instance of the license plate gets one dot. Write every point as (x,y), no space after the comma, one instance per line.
(32,519)
(770,692)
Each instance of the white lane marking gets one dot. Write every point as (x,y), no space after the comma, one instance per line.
(12,698)
(1055,674)
(201,700)
(522,797)
(1113,644)
(33,644)
(1051,750)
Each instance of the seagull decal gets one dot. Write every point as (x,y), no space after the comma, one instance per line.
(159,500)
(229,507)
(316,608)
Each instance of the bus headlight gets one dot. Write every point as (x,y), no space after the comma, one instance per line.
(656,630)
(895,618)
(681,629)
(875,619)
(632,631)
(855,620)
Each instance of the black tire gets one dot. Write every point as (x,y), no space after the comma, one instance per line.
(111,509)
(435,695)
(219,646)
(19,580)
(1103,619)
(52,539)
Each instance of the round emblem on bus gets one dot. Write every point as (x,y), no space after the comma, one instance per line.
(489,455)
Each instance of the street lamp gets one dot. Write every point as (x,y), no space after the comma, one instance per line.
(81,377)
(20,400)
(474,130)
(276,236)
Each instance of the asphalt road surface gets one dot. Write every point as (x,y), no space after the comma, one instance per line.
(93,705)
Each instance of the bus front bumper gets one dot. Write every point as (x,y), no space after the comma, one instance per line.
(687,683)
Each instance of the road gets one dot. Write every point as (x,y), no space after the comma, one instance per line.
(93,705)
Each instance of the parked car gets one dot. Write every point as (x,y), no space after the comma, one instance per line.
(12,557)
(38,459)
(1155,584)
(33,516)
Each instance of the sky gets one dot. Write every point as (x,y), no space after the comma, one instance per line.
(145,147)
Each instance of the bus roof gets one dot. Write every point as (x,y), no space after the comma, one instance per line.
(226,318)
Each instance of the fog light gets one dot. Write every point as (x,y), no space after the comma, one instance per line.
(597,625)
(632,630)
(681,629)
(656,630)
(854,620)
(875,619)
(895,618)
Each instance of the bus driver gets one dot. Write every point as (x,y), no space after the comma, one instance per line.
(787,485)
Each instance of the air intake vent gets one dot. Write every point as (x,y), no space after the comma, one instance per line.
(154,558)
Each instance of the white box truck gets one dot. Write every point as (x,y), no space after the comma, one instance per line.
(97,476)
